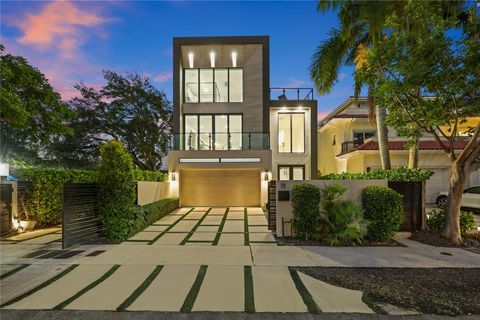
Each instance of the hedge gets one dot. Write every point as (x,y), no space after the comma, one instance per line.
(383,207)
(45,205)
(436,221)
(306,206)
(150,213)
(400,174)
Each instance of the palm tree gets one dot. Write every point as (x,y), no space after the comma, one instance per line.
(361,24)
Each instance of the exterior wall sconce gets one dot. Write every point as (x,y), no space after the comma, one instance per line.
(4,170)
(173,178)
(265,175)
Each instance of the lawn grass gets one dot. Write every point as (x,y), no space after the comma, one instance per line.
(13,271)
(249,294)
(193,293)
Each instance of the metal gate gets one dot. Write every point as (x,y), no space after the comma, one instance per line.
(81,223)
(6,191)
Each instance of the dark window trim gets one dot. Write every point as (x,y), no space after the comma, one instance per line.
(213,91)
(291,133)
(212,116)
(290,170)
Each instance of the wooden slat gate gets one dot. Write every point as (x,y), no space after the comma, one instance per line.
(413,204)
(272,206)
(6,191)
(80,220)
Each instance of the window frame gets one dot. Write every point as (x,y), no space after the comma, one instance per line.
(213,92)
(212,116)
(290,170)
(291,133)
(363,132)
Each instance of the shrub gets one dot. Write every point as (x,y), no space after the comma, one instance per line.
(146,175)
(150,213)
(400,174)
(45,196)
(383,207)
(435,221)
(305,203)
(341,222)
(117,190)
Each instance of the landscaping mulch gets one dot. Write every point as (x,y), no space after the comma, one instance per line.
(436,239)
(288,241)
(450,291)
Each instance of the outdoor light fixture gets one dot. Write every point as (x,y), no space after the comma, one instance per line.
(212,59)
(4,170)
(173,176)
(190,59)
(265,175)
(234,59)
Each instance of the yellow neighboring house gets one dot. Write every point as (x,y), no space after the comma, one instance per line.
(347,143)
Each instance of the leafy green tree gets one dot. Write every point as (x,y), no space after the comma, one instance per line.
(129,109)
(431,79)
(31,112)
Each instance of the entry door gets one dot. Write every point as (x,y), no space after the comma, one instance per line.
(287,172)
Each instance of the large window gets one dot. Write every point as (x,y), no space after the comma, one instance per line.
(359,137)
(291,132)
(213,85)
(213,132)
(287,172)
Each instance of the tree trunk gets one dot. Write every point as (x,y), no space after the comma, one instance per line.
(413,156)
(382,135)
(452,209)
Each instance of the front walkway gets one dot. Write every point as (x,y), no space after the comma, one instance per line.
(199,259)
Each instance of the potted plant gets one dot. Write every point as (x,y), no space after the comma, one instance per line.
(22,221)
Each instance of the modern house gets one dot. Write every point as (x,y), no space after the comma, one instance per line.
(348,144)
(229,136)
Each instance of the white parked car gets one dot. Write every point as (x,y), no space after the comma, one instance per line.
(470,199)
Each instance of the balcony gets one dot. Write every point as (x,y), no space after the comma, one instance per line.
(291,94)
(220,141)
(348,145)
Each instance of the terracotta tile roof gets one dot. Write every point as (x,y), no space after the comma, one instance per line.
(348,116)
(400,145)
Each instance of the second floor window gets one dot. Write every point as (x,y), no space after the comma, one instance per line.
(213,85)
(213,132)
(360,137)
(291,132)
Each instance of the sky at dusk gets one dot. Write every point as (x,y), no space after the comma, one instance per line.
(72,41)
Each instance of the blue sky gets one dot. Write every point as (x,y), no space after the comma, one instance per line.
(73,41)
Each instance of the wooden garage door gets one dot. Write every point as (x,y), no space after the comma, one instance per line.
(219,187)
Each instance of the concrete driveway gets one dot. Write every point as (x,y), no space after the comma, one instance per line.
(196,260)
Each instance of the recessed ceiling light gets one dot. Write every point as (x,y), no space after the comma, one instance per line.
(190,59)
(212,59)
(234,59)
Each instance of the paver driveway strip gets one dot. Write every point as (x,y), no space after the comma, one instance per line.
(168,291)
(109,294)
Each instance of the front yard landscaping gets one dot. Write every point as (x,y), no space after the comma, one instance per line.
(436,239)
(437,291)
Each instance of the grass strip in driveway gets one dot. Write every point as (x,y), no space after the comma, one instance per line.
(40,286)
(193,293)
(92,285)
(141,288)
(170,227)
(220,228)
(249,294)
(306,296)
(13,271)
(245,228)
(190,234)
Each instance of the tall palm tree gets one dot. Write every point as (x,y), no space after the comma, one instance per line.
(362,23)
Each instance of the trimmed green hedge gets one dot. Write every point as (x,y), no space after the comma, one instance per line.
(150,213)
(400,174)
(383,207)
(45,205)
(306,206)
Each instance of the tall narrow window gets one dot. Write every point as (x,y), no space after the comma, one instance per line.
(206,85)
(235,130)
(221,85)
(291,132)
(221,132)
(236,85)
(191,85)
(206,133)
(191,132)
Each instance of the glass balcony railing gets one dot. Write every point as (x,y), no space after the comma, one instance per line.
(220,141)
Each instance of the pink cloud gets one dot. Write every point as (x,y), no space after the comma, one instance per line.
(164,76)
(322,114)
(58,24)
